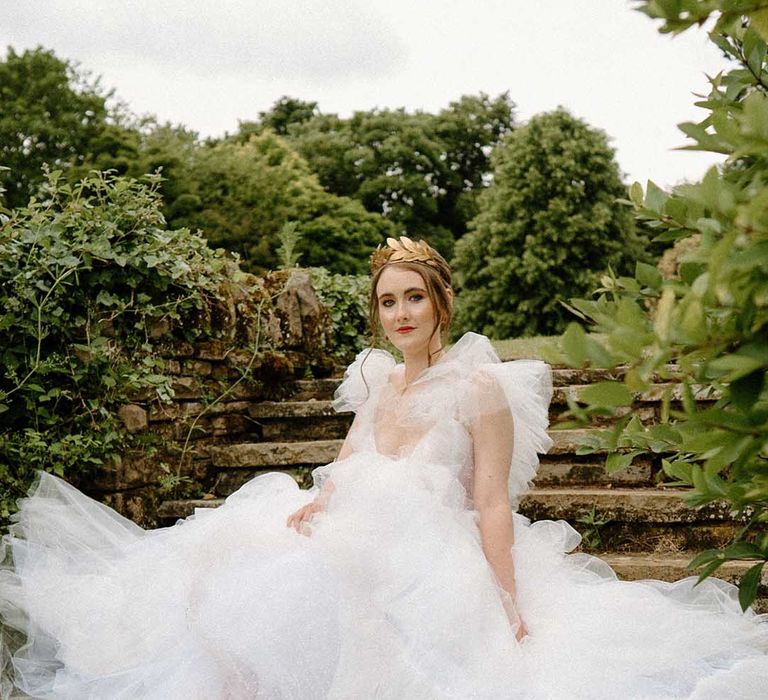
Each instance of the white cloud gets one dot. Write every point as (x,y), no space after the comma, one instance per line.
(319,40)
(208,65)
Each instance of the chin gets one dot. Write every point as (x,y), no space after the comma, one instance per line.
(409,343)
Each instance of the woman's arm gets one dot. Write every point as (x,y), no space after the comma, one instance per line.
(493,437)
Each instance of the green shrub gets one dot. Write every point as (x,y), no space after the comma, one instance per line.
(710,316)
(346,298)
(89,279)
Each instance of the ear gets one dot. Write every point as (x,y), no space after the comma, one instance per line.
(449,292)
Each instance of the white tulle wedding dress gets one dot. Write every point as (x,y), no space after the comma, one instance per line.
(391,595)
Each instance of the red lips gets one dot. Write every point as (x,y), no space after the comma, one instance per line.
(405,329)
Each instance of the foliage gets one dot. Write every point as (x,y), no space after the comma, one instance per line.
(287,111)
(591,533)
(89,278)
(49,113)
(346,298)
(421,171)
(711,317)
(240,195)
(548,225)
(289,237)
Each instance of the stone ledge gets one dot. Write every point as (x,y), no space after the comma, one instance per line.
(292,409)
(275,454)
(571,473)
(627,505)
(619,505)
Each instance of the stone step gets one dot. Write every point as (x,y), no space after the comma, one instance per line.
(276,454)
(658,506)
(314,407)
(609,519)
(643,505)
(268,455)
(640,519)
(322,389)
(553,472)
(556,471)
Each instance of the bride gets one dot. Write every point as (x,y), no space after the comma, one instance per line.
(404,573)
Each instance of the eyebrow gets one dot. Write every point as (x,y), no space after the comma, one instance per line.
(407,291)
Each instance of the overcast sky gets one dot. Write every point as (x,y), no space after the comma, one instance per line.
(209,64)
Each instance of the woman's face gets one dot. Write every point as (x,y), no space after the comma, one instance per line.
(405,310)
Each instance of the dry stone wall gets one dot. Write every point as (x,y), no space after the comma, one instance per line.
(257,355)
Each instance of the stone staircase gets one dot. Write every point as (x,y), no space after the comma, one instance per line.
(634,522)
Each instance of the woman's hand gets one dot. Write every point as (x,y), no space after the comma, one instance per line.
(522,630)
(299,520)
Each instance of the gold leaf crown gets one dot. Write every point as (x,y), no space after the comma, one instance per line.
(404,250)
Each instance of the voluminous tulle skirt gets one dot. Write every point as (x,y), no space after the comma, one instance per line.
(390,597)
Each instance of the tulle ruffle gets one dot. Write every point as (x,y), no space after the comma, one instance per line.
(469,381)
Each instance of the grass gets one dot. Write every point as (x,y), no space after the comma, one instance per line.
(527,348)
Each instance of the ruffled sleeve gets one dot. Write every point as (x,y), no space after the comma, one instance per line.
(368,373)
(525,387)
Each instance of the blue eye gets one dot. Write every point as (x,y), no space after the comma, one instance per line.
(417,297)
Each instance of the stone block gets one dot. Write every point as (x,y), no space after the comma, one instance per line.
(133,417)
(275,454)
(231,424)
(186,388)
(200,368)
(212,350)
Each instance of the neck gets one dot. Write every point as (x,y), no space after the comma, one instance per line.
(416,363)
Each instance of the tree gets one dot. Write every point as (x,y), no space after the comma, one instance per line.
(49,113)
(287,111)
(548,226)
(710,317)
(241,195)
(421,171)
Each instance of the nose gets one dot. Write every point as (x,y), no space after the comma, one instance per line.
(402,311)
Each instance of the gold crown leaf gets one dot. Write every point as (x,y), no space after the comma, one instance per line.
(404,250)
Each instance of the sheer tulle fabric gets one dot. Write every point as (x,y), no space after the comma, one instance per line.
(391,596)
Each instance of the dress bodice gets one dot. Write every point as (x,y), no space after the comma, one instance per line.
(431,419)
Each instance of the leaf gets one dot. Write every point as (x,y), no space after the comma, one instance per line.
(648,275)
(745,391)
(748,585)
(573,342)
(616,461)
(742,550)
(636,193)
(607,394)
(655,197)
(759,22)
(710,569)
(737,365)
(663,318)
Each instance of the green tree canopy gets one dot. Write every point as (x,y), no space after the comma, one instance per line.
(49,113)
(287,111)
(548,226)
(421,171)
(241,195)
